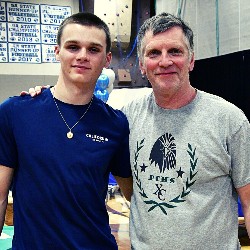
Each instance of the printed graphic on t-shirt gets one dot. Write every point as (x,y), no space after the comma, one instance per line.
(161,181)
(163,153)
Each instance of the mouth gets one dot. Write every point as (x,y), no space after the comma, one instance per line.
(80,67)
(166,73)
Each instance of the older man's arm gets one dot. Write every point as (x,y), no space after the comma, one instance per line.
(244,193)
(126,186)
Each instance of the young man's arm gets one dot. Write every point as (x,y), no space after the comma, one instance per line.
(126,186)
(244,193)
(6,175)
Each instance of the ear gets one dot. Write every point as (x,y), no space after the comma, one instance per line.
(57,50)
(142,68)
(191,65)
(108,59)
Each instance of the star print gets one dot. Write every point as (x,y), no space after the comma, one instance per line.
(180,173)
(143,167)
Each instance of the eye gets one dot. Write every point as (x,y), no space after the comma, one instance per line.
(153,53)
(94,50)
(72,47)
(175,52)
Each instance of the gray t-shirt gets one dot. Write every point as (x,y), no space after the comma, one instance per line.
(186,164)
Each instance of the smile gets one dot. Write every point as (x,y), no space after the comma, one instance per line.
(80,67)
(165,73)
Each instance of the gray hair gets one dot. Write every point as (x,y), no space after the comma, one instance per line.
(161,23)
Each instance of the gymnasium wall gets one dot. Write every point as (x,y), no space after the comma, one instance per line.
(222,46)
(15,77)
(220,26)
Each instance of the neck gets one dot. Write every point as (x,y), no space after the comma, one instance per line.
(176,100)
(72,94)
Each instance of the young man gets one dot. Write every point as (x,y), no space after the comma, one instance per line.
(189,149)
(59,148)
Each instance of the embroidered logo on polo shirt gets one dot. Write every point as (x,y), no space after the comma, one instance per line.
(97,138)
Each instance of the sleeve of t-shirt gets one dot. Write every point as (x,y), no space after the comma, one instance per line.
(121,161)
(8,151)
(240,155)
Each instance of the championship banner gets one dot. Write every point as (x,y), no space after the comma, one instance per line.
(49,34)
(24,53)
(3,32)
(52,14)
(48,54)
(3,52)
(23,12)
(24,33)
(2,12)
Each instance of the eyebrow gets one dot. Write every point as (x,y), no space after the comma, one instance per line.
(77,42)
(97,44)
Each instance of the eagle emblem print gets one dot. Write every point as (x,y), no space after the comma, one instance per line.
(169,182)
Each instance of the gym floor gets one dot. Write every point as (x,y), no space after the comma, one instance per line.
(118,210)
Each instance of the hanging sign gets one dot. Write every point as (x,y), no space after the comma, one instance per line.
(23,12)
(24,33)
(3,32)
(49,33)
(51,14)
(3,52)
(48,53)
(2,12)
(24,53)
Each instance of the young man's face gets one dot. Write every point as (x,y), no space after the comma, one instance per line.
(82,54)
(166,60)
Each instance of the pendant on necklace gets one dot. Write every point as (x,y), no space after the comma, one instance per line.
(69,134)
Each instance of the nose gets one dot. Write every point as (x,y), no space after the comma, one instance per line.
(82,55)
(165,60)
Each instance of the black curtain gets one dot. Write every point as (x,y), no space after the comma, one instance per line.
(227,76)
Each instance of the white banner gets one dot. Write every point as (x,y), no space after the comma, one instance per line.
(2,11)
(24,53)
(49,33)
(3,32)
(24,33)
(48,54)
(51,14)
(23,12)
(3,52)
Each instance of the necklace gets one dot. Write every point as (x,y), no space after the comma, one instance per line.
(70,133)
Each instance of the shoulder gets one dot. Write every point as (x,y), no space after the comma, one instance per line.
(22,103)
(107,109)
(7,110)
(135,106)
(108,113)
(222,110)
(218,103)
(10,102)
